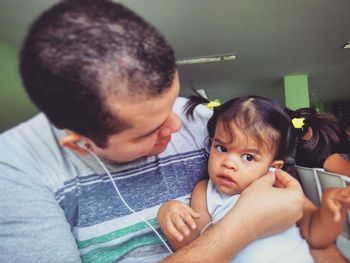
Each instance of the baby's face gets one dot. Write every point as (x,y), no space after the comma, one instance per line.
(235,163)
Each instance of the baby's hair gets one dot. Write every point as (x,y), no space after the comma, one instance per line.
(258,117)
(327,135)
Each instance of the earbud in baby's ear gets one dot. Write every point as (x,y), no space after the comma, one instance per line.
(272,170)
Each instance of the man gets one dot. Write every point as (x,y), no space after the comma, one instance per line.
(103,76)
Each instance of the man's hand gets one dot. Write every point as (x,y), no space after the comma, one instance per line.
(261,210)
(272,203)
(176,219)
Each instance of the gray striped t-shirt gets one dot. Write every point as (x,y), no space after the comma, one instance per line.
(56,206)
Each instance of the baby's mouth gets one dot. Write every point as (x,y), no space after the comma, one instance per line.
(226,180)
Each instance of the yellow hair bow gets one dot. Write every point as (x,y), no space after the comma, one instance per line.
(214,103)
(298,123)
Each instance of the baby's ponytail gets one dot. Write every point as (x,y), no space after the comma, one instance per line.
(326,137)
(192,103)
(301,119)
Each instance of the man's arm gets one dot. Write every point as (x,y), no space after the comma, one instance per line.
(260,211)
(33,227)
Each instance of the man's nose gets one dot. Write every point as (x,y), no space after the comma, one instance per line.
(172,125)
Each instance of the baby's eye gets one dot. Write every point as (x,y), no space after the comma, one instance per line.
(248,157)
(220,148)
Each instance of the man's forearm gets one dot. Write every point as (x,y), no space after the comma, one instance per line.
(260,211)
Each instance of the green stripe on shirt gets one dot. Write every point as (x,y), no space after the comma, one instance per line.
(116,234)
(113,253)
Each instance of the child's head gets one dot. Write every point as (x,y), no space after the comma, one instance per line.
(320,136)
(247,134)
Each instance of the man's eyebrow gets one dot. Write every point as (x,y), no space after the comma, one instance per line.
(152,131)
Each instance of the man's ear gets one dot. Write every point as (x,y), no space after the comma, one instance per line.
(278,164)
(71,140)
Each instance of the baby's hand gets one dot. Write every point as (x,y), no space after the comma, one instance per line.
(175,219)
(337,200)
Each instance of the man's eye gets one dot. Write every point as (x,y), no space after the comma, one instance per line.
(248,157)
(220,148)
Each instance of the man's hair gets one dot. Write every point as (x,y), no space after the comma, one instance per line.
(79,53)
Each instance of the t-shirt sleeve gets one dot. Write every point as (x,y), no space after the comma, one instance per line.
(33,227)
(196,126)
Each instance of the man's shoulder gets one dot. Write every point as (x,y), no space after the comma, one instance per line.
(201,113)
(37,120)
(33,129)
(27,141)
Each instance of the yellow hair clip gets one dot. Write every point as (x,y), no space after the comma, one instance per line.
(214,103)
(298,123)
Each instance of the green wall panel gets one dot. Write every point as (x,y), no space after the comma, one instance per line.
(296,91)
(15,105)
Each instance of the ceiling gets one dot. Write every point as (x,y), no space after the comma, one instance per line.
(272,39)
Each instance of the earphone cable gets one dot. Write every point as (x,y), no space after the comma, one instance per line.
(124,202)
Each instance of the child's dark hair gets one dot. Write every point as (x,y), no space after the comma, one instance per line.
(258,117)
(328,135)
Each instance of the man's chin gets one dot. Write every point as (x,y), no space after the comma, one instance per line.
(120,161)
(158,149)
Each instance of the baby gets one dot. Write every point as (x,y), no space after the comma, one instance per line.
(248,135)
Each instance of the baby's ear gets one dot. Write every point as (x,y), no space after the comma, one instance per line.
(277,164)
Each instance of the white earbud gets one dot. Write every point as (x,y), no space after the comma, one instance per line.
(272,170)
(82,144)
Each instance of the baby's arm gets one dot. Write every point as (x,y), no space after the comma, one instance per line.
(182,224)
(336,164)
(320,227)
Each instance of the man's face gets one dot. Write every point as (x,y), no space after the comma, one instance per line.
(152,124)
